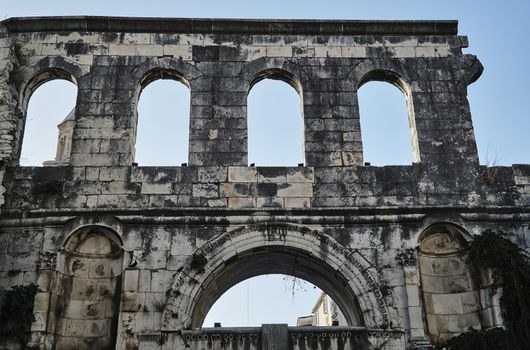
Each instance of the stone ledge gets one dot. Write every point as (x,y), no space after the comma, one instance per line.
(229,26)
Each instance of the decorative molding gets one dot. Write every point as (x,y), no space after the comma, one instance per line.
(47,261)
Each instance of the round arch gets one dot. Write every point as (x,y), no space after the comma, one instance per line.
(82,234)
(457,233)
(50,68)
(163,68)
(395,75)
(272,68)
(386,76)
(274,248)
(277,74)
(28,79)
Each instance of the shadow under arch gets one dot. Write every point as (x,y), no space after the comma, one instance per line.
(274,248)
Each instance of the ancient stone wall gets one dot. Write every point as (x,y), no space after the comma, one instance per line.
(179,236)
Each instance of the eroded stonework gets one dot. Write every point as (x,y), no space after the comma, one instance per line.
(132,257)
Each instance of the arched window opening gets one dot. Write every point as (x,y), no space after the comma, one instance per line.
(49,124)
(275,123)
(451,292)
(387,123)
(162,132)
(274,298)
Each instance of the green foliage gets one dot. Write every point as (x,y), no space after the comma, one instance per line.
(511,272)
(198,262)
(484,339)
(16,314)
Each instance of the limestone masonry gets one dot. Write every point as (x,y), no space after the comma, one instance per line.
(130,257)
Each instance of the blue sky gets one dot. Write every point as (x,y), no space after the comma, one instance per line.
(500,100)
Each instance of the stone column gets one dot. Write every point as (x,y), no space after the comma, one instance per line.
(41,327)
(408,259)
(274,336)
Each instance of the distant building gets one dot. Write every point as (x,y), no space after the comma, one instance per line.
(304,321)
(327,313)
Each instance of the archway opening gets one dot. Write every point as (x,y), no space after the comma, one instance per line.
(162,132)
(278,260)
(387,120)
(49,123)
(275,121)
(274,298)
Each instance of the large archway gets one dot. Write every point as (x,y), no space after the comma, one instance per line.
(274,248)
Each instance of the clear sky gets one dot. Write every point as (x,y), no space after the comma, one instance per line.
(500,100)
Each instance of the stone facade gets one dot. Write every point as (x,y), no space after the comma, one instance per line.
(132,257)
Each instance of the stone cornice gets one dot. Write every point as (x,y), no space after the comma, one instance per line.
(229,26)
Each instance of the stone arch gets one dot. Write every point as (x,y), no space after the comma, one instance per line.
(272,68)
(451,295)
(109,223)
(155,69)
(85,299)
(170,120)
(277,74)
(49,68)
(296,250)
(163,68)
(282,121)
(396,77)
(386,76)
(31,77)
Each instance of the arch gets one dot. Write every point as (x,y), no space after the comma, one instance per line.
(49,68)
(79,237)
(275,248)
(451,295)
(28,80)
(150,69)
(277,74)
(85,301)
(110,224)
(171,124)
(386,76)
(395,75)
(273,68)
(279,124)
(456,231)
(397,80)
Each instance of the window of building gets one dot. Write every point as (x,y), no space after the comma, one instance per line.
(49,123)
(163,124)
(275,124)
(385,127)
